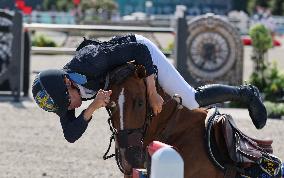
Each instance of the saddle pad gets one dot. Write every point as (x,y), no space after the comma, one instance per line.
(269,167)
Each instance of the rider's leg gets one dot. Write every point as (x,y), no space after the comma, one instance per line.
(172,82)
(169,78)
(247,94)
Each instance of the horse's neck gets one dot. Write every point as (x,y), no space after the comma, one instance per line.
(164,119)
(169,107)
(169,102)
(172,118)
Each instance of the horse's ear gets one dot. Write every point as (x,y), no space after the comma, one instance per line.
(140,71)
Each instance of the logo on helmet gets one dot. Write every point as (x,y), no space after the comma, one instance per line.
(44,101)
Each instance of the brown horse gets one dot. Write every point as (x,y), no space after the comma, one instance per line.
(186,133)
(135,128)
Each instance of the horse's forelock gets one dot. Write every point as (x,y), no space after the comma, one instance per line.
(140,71)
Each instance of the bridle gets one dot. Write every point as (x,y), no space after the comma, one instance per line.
(129,148)
(128,141)
(122,136)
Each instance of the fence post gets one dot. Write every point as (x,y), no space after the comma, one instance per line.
(180,52)
(181,35)
(26,65)
(17,55)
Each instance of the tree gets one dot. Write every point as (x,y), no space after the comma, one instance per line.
(64,5)
(47,4)
(100,6)
(251,4)
(60,5)
(261,42)
(262,3)
(278,7)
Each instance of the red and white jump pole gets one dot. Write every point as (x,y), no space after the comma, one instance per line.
(166,162)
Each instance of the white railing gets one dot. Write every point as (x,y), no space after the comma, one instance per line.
(69,28)
(77,28)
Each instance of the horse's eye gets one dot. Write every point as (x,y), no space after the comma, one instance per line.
(138,103)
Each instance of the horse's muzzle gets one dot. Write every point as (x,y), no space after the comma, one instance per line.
(130,149)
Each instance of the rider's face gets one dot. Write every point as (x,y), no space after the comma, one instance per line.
(74,95)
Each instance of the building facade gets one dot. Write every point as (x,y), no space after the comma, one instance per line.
(194,7)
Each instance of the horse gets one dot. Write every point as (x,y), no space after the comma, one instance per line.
(134,127)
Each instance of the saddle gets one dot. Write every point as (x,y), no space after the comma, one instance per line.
(237,154)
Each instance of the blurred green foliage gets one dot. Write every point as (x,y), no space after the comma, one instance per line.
(261,42)
(99,6)
(169,48)
(41,40)
(271,83)
(274,110)
(261,38)
(277,6)
(65,5)
(267,77)
(59,5)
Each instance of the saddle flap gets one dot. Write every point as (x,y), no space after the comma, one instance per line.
(220,140)
(229,137)
(240,148)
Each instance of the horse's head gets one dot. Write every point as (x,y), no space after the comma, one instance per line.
(129,115)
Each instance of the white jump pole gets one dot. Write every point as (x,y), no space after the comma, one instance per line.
(166,161)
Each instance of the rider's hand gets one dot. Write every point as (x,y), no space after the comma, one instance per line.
(156,101)
(101,100)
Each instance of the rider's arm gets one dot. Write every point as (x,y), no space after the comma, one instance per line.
(73,128)
(156,101)
(101,100)
(151,85)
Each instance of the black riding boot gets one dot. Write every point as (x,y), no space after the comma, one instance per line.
(247,94)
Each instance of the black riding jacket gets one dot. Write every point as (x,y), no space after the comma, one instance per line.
(95,59)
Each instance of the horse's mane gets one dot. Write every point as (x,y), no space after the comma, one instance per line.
(121,73)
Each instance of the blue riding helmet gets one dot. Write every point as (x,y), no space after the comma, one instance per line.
(50,92)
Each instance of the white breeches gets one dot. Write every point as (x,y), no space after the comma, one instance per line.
(168,77)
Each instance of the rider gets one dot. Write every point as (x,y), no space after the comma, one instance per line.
(62,90)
